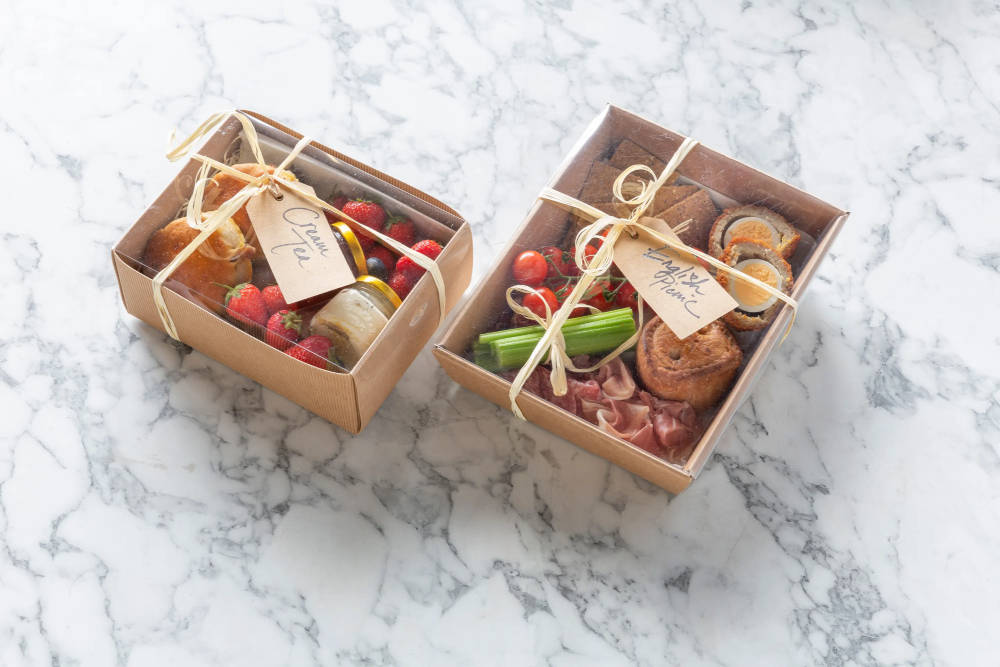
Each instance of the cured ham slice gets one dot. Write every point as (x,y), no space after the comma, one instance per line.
(616,381)
(610,399)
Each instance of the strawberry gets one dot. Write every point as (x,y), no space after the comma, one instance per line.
(245,304)
(368,213)
(401,229)
(314,350)
(274,299)
(366,242)
(387,257)
(336,202)
(283,328)
(401,283)
(427,247)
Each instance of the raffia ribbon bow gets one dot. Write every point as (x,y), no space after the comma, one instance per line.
(552,341)
(268,182)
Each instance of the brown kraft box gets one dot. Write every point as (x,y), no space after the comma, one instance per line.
(348,399)
(728,182)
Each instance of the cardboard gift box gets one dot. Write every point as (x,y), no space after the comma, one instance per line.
(347,398)
(728,183)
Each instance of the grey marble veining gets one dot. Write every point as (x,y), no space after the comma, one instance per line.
(157,508)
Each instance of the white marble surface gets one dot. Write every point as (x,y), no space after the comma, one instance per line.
(159,509)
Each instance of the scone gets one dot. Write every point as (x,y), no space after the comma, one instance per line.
(752,222)
(756,307)
(222,187)
(698,369)
(223,259)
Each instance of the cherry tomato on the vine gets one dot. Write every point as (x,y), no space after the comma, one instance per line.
(535,302)
(600,294)
(627,297)
(559,261)
(530,268)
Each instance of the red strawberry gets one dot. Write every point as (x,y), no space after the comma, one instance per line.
(245,304)
(427,247)
(366,212)
(386,256)
(283,329)
(401,229)
(274,299)
(314,350)
(336,202)
(401,283)
(366,242)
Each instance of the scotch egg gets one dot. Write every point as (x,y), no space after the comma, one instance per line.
(756,307)
(756,223)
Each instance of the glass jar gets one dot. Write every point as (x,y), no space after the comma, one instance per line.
(350,246)
(353,318)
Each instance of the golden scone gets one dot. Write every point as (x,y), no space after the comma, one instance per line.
(698,369)
(753,222)
(223,259)
(222,187)
(756,307)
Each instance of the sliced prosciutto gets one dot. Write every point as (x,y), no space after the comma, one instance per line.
(610,399)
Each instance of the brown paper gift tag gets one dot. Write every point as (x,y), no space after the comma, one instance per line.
(298,244)
(677,287)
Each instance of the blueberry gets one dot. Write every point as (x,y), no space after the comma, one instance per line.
(377,268)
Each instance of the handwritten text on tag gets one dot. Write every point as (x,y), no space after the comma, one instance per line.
(677,287)
(298,244)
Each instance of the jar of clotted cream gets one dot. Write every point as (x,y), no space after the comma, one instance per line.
(354,317)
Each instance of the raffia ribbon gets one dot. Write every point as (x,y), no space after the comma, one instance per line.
(271,183)
(552,341)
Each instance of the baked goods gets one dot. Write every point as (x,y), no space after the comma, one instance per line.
(600,182)
(753,222)
(668,195)
(222,187)
(758,260)
(700,209)
(223,259)
(628,153)
(698,369)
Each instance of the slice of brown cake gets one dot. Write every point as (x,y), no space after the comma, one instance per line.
(702,212)
(668,195)
(629,153)
(600,180)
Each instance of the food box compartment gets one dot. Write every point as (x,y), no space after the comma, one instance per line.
(727,181)
(347,398)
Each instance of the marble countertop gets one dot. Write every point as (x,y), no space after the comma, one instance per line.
(157,508)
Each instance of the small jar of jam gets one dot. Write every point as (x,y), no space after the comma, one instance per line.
(354,317)
(350,246)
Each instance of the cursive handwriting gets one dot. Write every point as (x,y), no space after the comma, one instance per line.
(675,280)
(306,232)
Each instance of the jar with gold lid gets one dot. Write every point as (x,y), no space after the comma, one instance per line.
(350,246)
(354,317)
